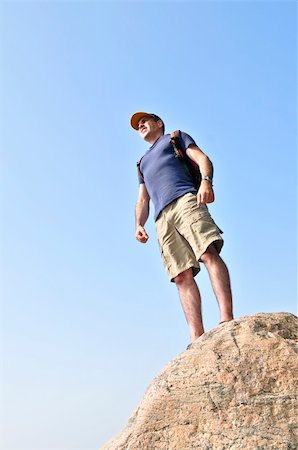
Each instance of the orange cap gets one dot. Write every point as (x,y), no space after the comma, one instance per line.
(136,117)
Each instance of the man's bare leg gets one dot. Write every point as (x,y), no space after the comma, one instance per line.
(191,302)
(220,281)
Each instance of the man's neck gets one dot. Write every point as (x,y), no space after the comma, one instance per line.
(153,139)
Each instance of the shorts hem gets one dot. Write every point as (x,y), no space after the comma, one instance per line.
(218,241)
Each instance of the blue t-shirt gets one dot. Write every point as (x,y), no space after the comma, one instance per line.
(164,175)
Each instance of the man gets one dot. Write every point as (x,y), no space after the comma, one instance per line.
(186,232)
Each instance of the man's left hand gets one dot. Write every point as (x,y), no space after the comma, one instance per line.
(205,193)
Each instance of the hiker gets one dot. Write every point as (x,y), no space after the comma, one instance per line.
(186,232)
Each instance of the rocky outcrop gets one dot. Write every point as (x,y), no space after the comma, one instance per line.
(235,388)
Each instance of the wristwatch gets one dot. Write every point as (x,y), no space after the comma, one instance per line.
(207,179)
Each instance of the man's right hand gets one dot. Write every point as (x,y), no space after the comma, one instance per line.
(141,234)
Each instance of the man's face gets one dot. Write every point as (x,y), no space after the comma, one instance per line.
(148,127)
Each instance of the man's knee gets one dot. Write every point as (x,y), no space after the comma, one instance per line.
(184,277)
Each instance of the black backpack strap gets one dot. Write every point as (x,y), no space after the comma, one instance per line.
(175,140)
(190,166)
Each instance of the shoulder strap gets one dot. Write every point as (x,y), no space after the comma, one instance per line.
(175,140)
(190,166)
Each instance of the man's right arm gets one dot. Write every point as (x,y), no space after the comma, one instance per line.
(142,213)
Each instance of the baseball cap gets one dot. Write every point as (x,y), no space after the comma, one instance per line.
(136,117)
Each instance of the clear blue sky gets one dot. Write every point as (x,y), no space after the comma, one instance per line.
(88,316)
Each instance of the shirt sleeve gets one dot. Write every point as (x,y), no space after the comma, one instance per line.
(141,181)
(186,140)
(140,178)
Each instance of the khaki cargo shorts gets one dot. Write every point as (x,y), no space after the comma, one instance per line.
(185,230)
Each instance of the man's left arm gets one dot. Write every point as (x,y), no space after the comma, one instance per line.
(205,193)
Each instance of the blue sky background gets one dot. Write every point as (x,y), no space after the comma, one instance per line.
(88,316)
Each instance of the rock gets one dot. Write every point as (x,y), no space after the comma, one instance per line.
(235,388)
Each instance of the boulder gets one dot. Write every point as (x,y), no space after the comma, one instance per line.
(235,388)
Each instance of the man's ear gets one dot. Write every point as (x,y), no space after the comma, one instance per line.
(159,123)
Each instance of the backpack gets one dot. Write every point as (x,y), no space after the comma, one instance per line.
(189,165)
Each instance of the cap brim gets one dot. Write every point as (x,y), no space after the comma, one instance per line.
(136,117)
